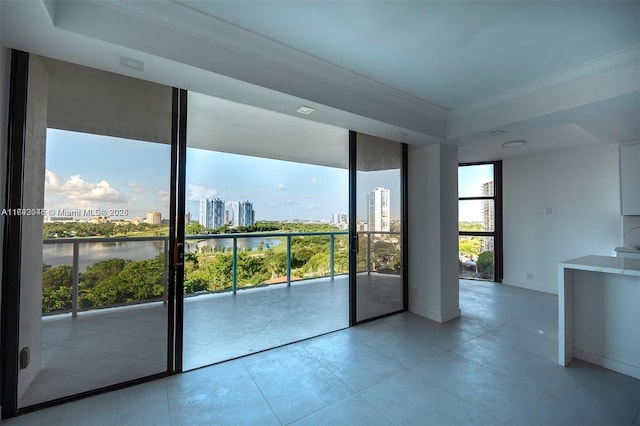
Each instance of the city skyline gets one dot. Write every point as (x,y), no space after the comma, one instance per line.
(86,171)
(216,212)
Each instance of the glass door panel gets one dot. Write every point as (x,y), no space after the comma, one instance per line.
(378,279)
(94,249)
(266,234)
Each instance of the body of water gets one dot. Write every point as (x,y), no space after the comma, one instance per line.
(90,253)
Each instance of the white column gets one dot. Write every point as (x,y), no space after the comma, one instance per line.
(433,232)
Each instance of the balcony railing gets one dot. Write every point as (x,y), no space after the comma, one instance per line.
(377,252)
(381,246)
(286,237)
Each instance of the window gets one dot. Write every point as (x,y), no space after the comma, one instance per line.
(480,221)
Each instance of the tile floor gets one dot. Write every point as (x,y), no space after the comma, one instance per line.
(495,365)
(108,346)
(105,347)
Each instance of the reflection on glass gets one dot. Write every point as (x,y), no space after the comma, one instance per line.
(378,280)
(91,298)
(266,232)
(104,317)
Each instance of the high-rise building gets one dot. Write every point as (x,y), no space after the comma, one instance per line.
(378,210)
(488,215)
(211,213)
(240,213)
(154,218)
(341,220)
(246,213)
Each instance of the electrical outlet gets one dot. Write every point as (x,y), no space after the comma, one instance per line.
(529,275)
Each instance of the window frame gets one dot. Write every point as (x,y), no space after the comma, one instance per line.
(496,234)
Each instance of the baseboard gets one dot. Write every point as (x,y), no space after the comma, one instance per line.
(433,316)
(611,364)
(531,286)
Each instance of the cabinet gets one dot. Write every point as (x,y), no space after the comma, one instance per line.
(630,179)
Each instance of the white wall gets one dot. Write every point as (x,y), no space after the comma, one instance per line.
(581,187)
(433,231)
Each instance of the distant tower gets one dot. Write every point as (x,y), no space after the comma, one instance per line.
(378,210)
(246,213)
(488,215)
(341,220)
(241,213)
(211,213)
(154,218)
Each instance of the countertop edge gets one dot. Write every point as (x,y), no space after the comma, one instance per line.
(607,264)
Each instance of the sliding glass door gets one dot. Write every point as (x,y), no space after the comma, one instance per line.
(149,232)
(378,223)
(266,244)
(87,269)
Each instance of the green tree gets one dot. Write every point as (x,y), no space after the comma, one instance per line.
(251,269)
(194,229)
(101,271)
(470,247)
(57,285)
(485,265)
(138,281)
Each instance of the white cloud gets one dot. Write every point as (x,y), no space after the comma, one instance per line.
(198,192)
(313,207)
(136,187)
(315,180)
(164,196)
(79,190)
(281,187)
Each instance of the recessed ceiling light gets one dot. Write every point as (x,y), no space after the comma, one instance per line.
(305,110)
(514,144)
(134,64)
(496,132)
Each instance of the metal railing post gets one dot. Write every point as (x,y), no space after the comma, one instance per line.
(75,271)
(288,260)
(235,264)
(368,252)
(332,238)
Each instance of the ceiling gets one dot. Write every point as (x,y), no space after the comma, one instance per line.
(554,73)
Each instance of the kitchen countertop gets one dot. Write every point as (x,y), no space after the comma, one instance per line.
(599,312)
(609,264)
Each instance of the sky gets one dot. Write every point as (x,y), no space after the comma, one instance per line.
(470,180)
(85,171)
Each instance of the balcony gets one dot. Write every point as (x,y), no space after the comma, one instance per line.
(87,346)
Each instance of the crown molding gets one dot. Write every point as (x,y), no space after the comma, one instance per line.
(603,78)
